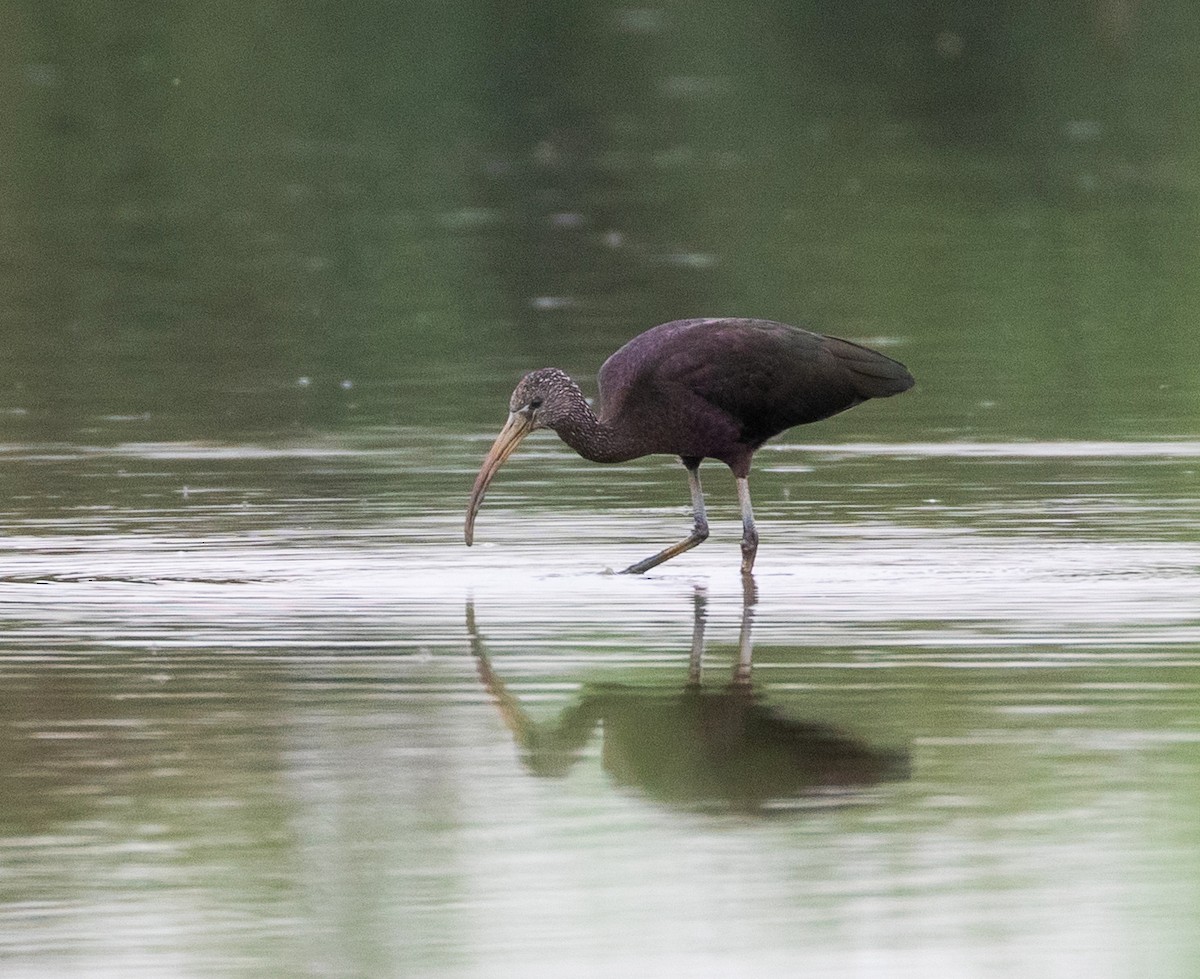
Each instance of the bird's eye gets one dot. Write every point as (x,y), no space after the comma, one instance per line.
(535,404)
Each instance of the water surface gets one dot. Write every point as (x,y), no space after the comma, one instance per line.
(264,713)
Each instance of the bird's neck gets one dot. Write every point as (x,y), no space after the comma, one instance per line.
(592,438)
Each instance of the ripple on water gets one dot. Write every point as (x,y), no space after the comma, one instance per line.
(259,563)
(259,694)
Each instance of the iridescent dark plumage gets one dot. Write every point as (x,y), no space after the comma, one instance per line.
(698,389)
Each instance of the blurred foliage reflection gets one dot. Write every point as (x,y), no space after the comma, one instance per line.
(238,217)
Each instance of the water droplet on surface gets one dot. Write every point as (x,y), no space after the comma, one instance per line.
(639,20)
(42,75)
(1082,130)
(949,45)
(692,86)
(549,303)
(693,260)
(469,218)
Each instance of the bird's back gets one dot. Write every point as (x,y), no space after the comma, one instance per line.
(714,387)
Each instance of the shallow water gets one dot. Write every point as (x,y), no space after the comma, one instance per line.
(265,715)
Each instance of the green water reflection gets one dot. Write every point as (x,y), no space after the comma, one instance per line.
(259,217)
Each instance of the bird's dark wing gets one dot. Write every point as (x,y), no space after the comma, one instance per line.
(873,374)
(762,376)
(630,373)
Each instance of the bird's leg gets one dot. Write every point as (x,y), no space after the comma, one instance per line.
(749,531)
(699,529)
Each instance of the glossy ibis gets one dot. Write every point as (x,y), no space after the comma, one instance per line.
(699,388)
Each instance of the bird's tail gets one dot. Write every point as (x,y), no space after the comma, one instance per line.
(875,376)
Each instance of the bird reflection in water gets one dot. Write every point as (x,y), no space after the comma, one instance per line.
(716,749)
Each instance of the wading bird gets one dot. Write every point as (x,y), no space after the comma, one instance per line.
(699,388)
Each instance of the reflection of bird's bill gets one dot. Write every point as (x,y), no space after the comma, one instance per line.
(514,430)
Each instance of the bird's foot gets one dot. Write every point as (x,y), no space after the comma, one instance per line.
(748,561)
(749,549)
(698,535)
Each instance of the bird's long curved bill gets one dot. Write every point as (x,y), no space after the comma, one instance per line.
(515,429)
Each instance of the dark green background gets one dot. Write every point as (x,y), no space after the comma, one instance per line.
(202,203)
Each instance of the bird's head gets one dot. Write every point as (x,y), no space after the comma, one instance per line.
(542,399)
